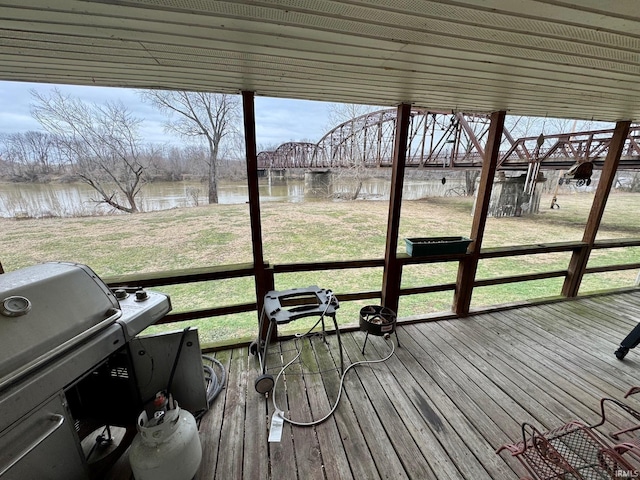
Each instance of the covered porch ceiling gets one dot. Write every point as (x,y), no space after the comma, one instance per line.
(569,59)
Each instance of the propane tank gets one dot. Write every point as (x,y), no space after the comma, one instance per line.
(167,445)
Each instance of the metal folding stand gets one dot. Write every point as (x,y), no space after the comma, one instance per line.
(282,307)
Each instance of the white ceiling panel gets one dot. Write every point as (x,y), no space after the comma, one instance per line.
(571,59)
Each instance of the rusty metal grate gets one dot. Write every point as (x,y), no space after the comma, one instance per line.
(572,451)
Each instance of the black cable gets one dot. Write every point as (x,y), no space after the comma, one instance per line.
(215,383)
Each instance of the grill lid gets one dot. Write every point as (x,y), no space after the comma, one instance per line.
(45,310)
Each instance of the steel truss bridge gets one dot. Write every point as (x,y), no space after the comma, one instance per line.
(445,140)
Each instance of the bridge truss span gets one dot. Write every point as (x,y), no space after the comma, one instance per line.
(564,150)
(439,140)
(288,155)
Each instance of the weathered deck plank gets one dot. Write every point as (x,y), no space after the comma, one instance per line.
(230,447)
(333,454)
(469,450)
(281,460)
(372,429)
(255,429)
(212,424)
(293,386)
(428,424)
(453,392)
(359,459)
(392,410)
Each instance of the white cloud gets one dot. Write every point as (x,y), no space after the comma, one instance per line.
(284,120)
(277,120)
(17,122)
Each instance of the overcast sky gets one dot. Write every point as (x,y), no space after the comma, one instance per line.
(277,120)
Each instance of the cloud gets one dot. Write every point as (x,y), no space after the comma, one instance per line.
(277,120)
(283,120)
(17,122)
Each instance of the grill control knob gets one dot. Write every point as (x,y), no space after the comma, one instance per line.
(141,295)
(121,294)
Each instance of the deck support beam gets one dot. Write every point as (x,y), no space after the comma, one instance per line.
(580,257)
(262,282)
(468,267)
(392,274)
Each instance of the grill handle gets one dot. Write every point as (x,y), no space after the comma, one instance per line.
(59,349)
(57,420)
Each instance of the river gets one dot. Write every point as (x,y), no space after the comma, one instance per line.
(75,199)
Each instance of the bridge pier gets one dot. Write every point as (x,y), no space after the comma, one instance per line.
(508,198)
(277,175)
(317,182)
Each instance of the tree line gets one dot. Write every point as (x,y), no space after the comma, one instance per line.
(101,145)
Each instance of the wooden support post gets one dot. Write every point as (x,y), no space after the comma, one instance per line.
(261,281)
(468,266)
(392,274)
(580,257)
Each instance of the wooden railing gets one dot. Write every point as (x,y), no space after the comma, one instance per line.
(176,277)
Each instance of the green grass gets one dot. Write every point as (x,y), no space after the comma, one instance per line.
(320,231)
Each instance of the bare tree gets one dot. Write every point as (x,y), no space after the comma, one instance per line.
(343,112)
(533,126)
(211,116)
(357,172)
(30,153)
(523,126)
(101,141)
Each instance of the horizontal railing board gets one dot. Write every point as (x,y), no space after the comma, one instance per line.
(534,249)
(613,268)
(207,312)
(519,278)
(617,243)
(337,265)
(175,277)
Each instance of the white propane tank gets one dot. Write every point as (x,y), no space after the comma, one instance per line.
(167,447)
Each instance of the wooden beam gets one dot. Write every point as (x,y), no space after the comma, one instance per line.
(580,257)
(392,274)
(181,276)
(468,266)
(249,116)
(319,266)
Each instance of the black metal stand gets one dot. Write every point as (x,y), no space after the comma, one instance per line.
(366,337)
(284,306)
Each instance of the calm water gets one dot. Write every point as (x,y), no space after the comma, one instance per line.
(38,200)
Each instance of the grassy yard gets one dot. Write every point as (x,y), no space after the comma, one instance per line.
(301,232)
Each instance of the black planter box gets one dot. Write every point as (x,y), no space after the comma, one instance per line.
(425,246)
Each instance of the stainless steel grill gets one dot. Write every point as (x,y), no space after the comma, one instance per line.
(58,323)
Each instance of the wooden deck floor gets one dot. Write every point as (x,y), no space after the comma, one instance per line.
(453,392)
